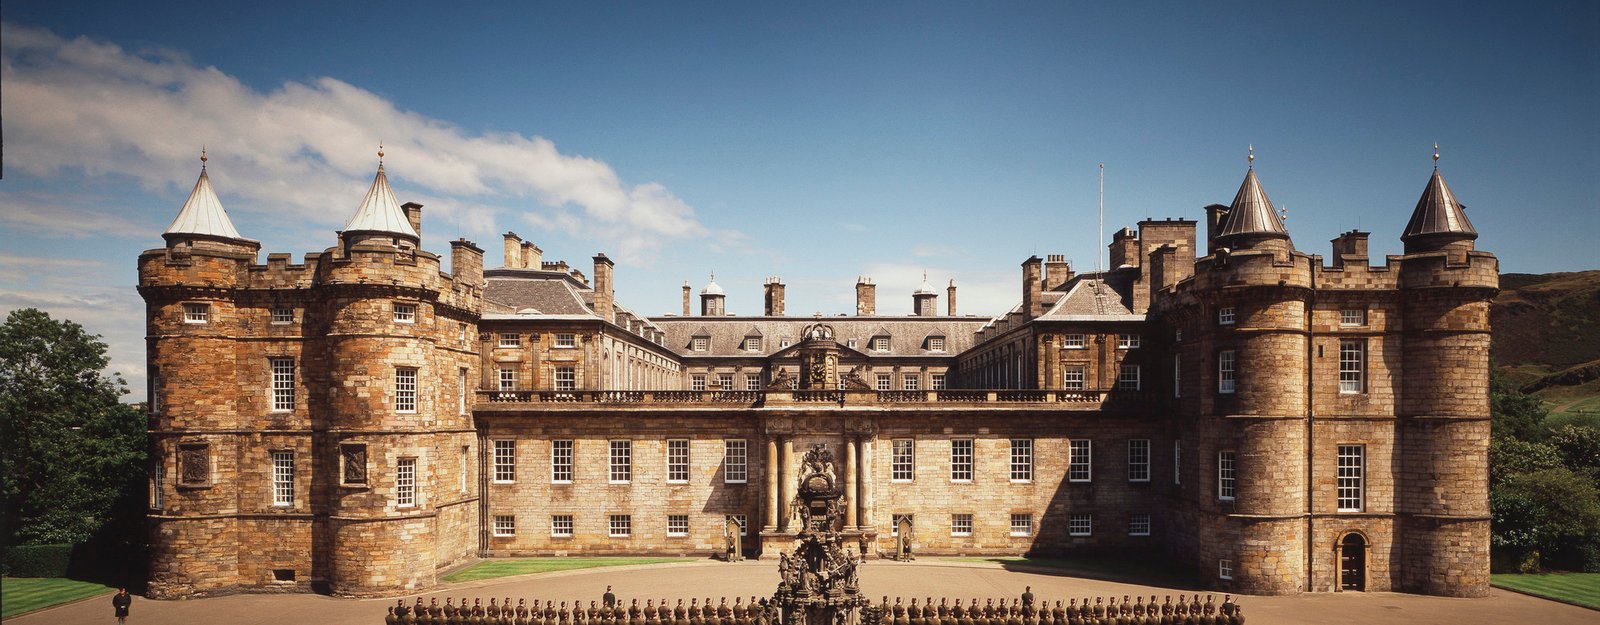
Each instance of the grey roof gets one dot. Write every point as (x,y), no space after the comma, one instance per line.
(1251,213)
(907,335)
(202,213)
(1438,213)
(380,211)
(1109,293)
(550,296)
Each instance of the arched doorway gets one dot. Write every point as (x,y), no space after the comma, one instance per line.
(1353,562)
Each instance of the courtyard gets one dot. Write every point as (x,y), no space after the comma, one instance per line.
(925,578)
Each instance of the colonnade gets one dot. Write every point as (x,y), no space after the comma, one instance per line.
(781,476)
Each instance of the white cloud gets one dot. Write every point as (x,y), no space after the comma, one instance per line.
(87,105)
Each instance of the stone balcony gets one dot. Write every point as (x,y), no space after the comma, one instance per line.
(494,401)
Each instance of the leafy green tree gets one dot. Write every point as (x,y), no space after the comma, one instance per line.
(1513,413)
(1510,457)
(1548,510)
(72,450)
(1579,447)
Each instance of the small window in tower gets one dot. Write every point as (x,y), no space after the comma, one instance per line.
(282,316)
(1225,316)
(405,313)
(1353,317)
(197,313)
(1225,371)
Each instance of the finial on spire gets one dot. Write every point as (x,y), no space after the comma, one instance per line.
(1283,212)
(380,154)
(1436,155)
(203,157)
(1251,159)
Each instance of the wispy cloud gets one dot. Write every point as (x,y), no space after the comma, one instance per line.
(90,106)
(61,219)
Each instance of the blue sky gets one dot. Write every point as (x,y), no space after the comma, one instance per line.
(818,142)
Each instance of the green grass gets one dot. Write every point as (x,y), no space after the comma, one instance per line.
(1576,588)
(26,594)
(489,569)
(1088,567)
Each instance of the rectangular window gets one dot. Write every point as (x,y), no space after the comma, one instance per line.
(735,459)
(621,466)
(282,384)
(937,381)
(508,378)
(1128,377)
(566,378)
(505,461)
(1072,377)
(157,495)
(1081,525)
(510,339)
(405,389)
(1225,316)
(677,525)
(1352,365)
(1021,459)
(505,525)
(911,382)
(1139,525)
(1225,371)
(1177,375)
(461,391)
(961,460)
(1074,341)
(1080,461)
(740,519)
(619,526)
(702,343)
(894,523)
(935,343)
(461,476)
(1127,341)
(405,313)
(883,382)
(697,382)
(1225,569)
(566,339)
(752,343)
(725,381)
(405,483)
(283,478)
(1177,462)
(902,462)
(677,461)
(961,525)
(561,461)
(851,343)
(752,381)
(1021,524)
(281,316)
(1352,468)
(561,525)
(197,313)
(1225,467)
(1139,460)
(1353,317)
(880,343)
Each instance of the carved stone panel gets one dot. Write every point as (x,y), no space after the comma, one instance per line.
(353,462)
(194,464)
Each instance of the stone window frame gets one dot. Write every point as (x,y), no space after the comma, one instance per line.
(880,344)
(564,340)
(281,387)
(1021,461)
(504,454)
(752,381)
(697,381)
(911,382)
(158,478)
(1074,341)
(1227,316)
(700,343)
(619,526)
(565,378)
(1352,366)
(725,381)
(1138,460)
(1129,377)
(677,461)
(1227,372)
(735,461)
(961,524)
(1227,474)
(405,482)
(349,452)
(1139,524)
(936,381)
(1352,317)
(1128,341)
(506,377)
(1080,460)
(405,312)
(405,390)
(677,526)
(280,315)
(509,340)
(902,460)
(461,477)
(504,526)
(197,313)
(883,382)
(1074,377)
(187,478)
(962,465)
(935,343)
(1350,477)
(561,526)
(1080,524)
(1025,527)
(619,461)
(1225,568)
(283,474)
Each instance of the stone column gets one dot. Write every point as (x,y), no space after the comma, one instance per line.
(864,484)
(785,483)
(851,482)
(772,484)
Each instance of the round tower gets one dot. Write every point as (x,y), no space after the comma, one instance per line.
(191,289)
(1445,289)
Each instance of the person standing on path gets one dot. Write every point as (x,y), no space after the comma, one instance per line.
(1027,596)
(609,599)
(121,601)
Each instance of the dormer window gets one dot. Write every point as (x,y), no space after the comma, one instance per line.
(197,313)
(701,343)
(935,343)
(405,313)
(851,343)
(880,343)
(752,343)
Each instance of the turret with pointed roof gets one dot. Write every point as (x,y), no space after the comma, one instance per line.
(202,214)
(380,211)
(1251,217)
(1438,220)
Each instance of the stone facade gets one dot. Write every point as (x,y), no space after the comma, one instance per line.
(1227,402)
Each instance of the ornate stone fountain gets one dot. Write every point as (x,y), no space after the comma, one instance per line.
(820,584)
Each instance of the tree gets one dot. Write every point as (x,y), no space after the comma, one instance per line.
(72,449)
(1514,413)
(1554,511)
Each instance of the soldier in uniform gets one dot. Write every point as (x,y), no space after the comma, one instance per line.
(741,616)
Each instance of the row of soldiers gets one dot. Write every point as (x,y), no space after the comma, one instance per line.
(756,612)
(1024,612)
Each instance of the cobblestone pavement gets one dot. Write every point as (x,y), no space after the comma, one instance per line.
(921,579)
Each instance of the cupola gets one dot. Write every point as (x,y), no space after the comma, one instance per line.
(1251,218)
(202,215)
(1438,220)
(380,213)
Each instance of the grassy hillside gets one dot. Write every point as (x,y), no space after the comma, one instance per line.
(1547,337)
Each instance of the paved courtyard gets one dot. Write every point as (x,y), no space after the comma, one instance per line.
(878,578)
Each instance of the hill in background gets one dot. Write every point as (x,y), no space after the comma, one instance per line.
(1547,338)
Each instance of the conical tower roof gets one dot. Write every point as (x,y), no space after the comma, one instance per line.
(380,211)
(202,213)
(1438,214)
(925,289)
(1252,214)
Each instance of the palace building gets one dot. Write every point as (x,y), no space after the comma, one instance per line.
(1262,418)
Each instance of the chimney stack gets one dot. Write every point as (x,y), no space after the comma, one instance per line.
(466,263)
(604,293)
(1215,215)
(413,212)
(513,250)
(773,297)
(1057,271)
(1032,287)
(950,297)
(1350,247)
(866,297)
(686,292)
(1124,248)
(532,256)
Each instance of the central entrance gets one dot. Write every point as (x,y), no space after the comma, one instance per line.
(1353,562)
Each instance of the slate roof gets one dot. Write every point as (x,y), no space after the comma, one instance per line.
(202,213)
(1108,293)
(1438,212)
(550,295)
(907,335)
(1251,213)
(380,211)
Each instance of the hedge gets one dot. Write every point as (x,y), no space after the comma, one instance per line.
(37,560)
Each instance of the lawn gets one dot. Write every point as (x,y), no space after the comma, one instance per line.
(1090,567)
(26,594)
(1575,588)
(489,569)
